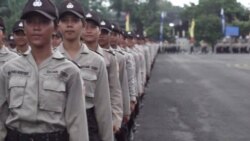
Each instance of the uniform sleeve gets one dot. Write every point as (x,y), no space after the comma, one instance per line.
(75,112)
(131,77)
(139,74)
(144,68)
(142,71)
(3,105)
(115,91)
(125,88)
(103,105)
(148,61)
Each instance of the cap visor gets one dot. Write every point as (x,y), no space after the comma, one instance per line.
(105,28)
(73,12)
(92,20)
(18,29)
(39,12)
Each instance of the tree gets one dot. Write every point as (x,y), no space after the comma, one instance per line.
(10,10)
(208,32)
(207,16)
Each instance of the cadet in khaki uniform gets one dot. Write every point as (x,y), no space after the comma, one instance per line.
(5,53)
(113,72)
(41,92)
(130,45)
(123,74)
(93,71)
(130,64)
(139,49)
(130,67)
(145,51)
(138,64)
(20,39)
(91,35)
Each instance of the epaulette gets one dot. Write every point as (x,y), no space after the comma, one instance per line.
(111,52)
(74,63)
(121,52)
(98,53)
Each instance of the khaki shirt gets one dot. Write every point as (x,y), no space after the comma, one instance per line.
(6,55)
(114,84)
(42,99)
(94,74)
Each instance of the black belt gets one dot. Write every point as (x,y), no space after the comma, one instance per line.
(13,135)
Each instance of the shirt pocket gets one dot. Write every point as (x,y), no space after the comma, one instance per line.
(89,77)
(16,88)
(53,96)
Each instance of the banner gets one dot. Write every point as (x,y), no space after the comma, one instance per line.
(223,22)
(191,29)
(127,22)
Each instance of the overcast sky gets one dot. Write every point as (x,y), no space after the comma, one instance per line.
(182,2)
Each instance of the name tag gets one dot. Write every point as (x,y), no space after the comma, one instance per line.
(18,72)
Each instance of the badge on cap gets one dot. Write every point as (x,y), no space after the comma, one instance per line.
(103,23)
(20,24)
(11,37)
(70,5)
(88,15)
(112,26)
(37,3)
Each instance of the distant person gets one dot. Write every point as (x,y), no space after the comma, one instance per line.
(56,39)
(5,53)
(20,38)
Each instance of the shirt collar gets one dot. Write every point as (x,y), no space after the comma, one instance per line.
(4,50)
(99,50)
(55,54)
(83,50)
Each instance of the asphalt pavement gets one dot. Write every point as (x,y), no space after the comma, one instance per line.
(197,98)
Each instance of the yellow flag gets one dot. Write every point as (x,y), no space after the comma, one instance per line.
(191,29)
(127,22)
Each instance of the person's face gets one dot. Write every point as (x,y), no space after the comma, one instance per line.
(71,26)
(104,38)
(114,38)
(20,38)
(38,30)
(91,32)
(56,40)
(130,42)
(123,42)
